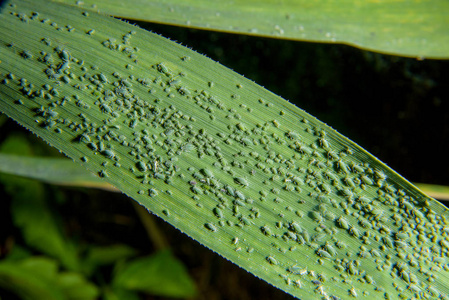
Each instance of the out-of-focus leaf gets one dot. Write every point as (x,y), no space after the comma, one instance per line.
(439,192)
(160,274)
(119,294)
(30,211)
(37,278)
(51,170)
(29,282)
(99,256)
(406,27)
(76,287)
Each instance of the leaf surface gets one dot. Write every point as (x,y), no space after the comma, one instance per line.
(405,27)
(232,165)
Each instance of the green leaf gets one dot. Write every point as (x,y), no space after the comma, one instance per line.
(439,192)
(107,255)
(159,274)
(76,287)
(51,170)
(119,294)
(30,211)
(408,28)
(38,278)
(232,165)
(29,282)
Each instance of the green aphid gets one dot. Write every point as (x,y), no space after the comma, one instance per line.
(210,227)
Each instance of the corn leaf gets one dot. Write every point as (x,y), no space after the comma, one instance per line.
(407,27)
(232,165)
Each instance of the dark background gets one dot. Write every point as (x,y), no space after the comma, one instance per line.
(396,108)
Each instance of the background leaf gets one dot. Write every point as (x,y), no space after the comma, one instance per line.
(106,255)
(51,170)
(38,278)
(31,213)
(408,28)
(159,274)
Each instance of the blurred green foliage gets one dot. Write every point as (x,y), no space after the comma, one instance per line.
(44,262)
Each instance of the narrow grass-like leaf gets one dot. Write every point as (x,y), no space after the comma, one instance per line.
(51,170)
(235,167)
(408,28)
(439,192)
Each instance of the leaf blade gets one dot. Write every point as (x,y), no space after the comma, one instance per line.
(408,28)
(237,168)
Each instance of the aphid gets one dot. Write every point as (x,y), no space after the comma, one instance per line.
(366,180)
(343,223)
(291,235)
(400,244)
(162,68)
(211,227)
(444,244)
(92,146)
(323,253)
(272,260)
(347,193)
(63,66)
(324,143)
(316,216)
(377,212)
(197,190)
(380,175)
(65,55)
(354,232)
(341,166)
(245,221)
(433,291)
(365,223)
(241,181)
(108,153)
(152,192)
(230,190)
(306,236)
(266,230)
(218,212)
(387,241)
(141,166)
(294,269)
(326,188)
(349,182)
(296,227)
(103,77)
(207,173)
(353,292)
(240,195)
(329,248)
